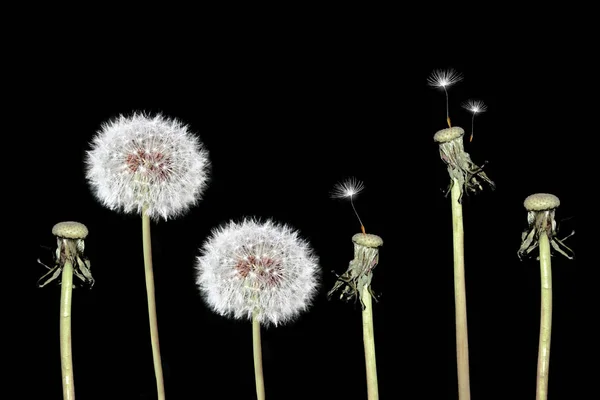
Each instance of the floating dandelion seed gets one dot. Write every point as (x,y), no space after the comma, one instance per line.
(475,106)
(349,188)
(442,79)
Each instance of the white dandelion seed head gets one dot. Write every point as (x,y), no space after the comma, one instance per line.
(142,161)
(347,188)
(263,267)
(443,78)
(475,106)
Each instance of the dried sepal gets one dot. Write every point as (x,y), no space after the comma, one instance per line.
(359,274)
(68,250)
(542,221)
(469,176)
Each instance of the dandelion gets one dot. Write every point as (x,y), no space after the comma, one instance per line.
(442,79)
(151,166)
(541,208)
(475,106)
(464,175)
(69,261)
(258,271)
(356,281)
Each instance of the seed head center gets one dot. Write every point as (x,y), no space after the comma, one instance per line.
(152,164)
(264,272)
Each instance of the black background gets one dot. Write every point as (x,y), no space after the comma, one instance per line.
(284,119)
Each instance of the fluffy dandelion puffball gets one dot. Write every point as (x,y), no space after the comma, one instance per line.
(261,268)
(142,161)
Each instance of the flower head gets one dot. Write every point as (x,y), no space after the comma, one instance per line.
(147,162)
(261,268)
(444,78)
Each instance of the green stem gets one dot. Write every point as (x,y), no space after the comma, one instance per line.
(257,350)
(152,305)
(460,297)
(66,359)
(369,343)
(545,319)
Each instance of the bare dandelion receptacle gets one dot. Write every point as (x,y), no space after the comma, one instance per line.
(541,232)
(69,260)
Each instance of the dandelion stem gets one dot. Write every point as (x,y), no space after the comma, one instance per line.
(362,227)
(447,109)
(369,343)
(460,300)
(66,359)
(258,367)
(147,240)
(545,318)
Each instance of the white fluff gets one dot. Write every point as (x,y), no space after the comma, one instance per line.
(142,161)
(260,267)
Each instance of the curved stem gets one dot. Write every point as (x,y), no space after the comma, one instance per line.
(66,359)
(460,297)
(369,343)
(257,350)
(152,305)
(545,319)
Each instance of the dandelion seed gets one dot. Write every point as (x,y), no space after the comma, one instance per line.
(440,78)
(348,189)
(475,106)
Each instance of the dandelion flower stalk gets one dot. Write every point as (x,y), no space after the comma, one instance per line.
(367,254)
(475,107)
(66,358)
(541,208)
(151,166)
(464,176)
(149,274)
(257,353)
(69,262)
(257,271)
(356,282)
(460,297)
(443,79)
